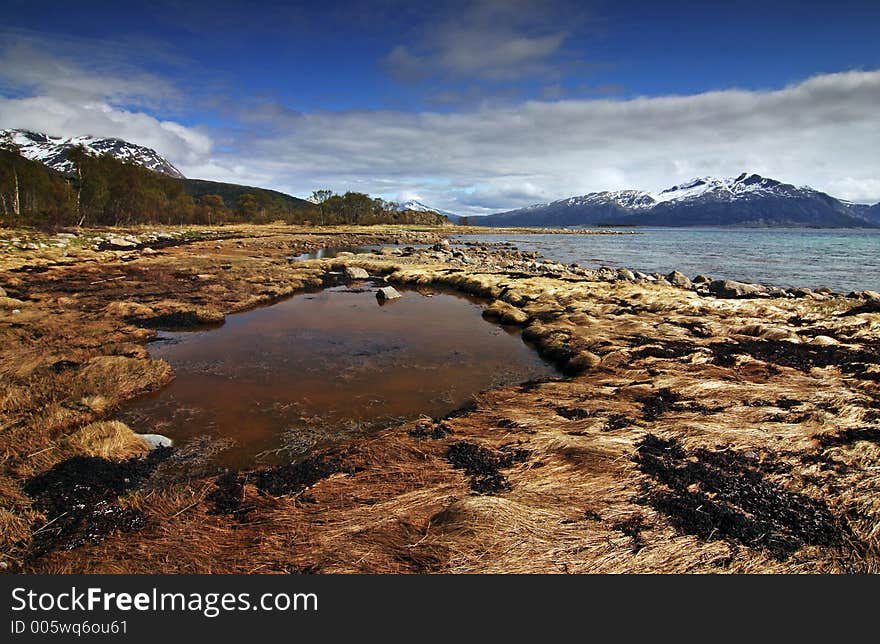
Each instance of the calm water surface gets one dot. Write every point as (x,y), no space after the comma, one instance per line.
(278,382)
(842,259)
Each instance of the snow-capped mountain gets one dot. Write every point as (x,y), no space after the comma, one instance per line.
(748,199)
(418,206)
(54,151)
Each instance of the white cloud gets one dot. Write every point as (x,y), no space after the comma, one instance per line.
(486,39)
(822,132)
(180,144)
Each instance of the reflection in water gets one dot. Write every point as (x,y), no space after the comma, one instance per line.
(315,369)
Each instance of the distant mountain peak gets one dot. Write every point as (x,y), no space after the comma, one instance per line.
(417,206)
(54,151)
(747,199)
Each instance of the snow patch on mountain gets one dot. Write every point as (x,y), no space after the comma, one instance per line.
(54,151)
(418,206)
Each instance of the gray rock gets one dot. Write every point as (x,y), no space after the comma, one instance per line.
(356,273)
(626,274)
(679,279)
(732,289)
(800,292)
(120,243)
(387,293)
(701,279)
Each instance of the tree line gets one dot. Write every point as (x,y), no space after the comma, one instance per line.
(104,191)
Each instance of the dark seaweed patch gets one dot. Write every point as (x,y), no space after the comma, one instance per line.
(632,527)
(616,421)
(227,497)
(658,403)
(797,356)
(666,349)
(292,479)
(483,465)
(78,497)
(573,413)
(849,436)
(295,477)
(723,495)
(431,430)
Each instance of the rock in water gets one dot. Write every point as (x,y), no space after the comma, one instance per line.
(387,293)
(356,273)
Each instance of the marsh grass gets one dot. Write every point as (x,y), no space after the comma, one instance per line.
(577,503)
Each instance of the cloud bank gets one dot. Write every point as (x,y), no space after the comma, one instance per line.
(823,131)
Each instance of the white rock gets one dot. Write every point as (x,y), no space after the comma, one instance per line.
(388,293)
(156,440)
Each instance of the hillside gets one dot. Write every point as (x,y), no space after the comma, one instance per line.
(231,193)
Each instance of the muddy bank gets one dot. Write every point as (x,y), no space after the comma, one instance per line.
(697,429)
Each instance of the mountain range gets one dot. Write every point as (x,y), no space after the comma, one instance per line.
(746,200)
(54,151)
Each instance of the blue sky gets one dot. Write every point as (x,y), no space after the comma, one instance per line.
(472,106)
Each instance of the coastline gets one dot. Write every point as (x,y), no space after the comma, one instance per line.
(694,430)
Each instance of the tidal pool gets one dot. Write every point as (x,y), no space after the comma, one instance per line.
(276,383)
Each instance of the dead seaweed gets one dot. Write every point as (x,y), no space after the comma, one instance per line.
(795,355)
(724,495)
(431,430)
(664,349)
(573,413)
(79,498)
(296,477)
(658,403)
(616,421)
(483,465)
(849,436)
(632,527)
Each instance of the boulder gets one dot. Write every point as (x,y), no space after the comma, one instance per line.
(800,292)
(701,279)
(119,243)
(679,279)
(732,289)
(356,273)
(626,274)
(387,293)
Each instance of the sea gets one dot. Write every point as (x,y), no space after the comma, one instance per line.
(841,259)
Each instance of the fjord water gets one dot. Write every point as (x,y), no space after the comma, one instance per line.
(841,259)
(275,383)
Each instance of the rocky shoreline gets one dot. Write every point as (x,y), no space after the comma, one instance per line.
(701,425)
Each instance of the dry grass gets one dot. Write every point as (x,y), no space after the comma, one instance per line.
(578,502)
(107,439)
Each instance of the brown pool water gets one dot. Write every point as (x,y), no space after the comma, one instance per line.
(276,383)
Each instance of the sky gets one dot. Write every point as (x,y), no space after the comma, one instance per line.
(470,106)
